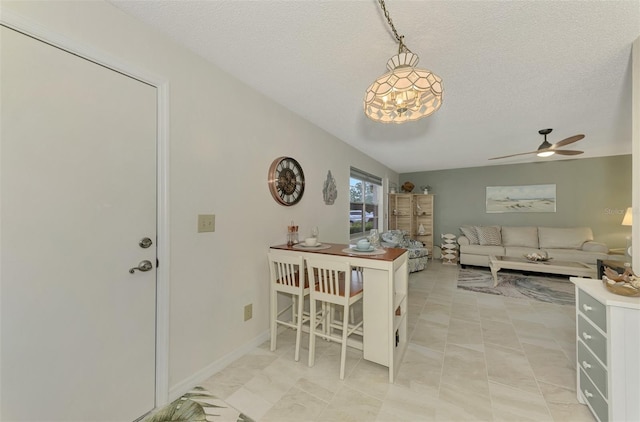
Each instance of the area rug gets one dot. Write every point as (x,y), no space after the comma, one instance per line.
(198,405)
(551,289)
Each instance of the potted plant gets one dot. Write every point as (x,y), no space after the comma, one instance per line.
(425,189)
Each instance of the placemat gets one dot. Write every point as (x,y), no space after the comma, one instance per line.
(352,251)
(302,247)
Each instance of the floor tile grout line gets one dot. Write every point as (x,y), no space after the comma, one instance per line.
(439,286)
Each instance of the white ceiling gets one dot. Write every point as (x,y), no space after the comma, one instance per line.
(510,68)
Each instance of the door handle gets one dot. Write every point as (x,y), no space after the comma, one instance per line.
(142,266)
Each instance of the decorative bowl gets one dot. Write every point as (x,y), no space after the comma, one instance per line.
(536,257)
(620,287)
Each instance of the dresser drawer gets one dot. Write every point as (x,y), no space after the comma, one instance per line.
(596,401)
(590,365)
(593,310)
(592,338)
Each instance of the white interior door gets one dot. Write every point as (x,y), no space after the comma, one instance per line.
(78,193)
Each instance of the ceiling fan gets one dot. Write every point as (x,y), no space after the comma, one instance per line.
(546,149)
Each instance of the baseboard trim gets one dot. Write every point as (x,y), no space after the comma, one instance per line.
(188,383)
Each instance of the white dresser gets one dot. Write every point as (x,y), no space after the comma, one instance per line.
(608,351)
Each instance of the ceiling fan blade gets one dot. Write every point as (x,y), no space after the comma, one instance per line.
(514,155)
(567,141)
(568,152)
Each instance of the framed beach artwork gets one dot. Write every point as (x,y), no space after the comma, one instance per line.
(527,198)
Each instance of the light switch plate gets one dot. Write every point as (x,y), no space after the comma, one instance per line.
(248,312)
(206,223)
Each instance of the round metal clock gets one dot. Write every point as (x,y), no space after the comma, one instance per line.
(286,181)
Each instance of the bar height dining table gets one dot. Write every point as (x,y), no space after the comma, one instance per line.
(384,302)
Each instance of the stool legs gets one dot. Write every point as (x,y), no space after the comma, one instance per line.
(273,318)
(299,320)
(345,334)
(312,332)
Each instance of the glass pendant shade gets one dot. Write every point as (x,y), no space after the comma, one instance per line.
(403,94)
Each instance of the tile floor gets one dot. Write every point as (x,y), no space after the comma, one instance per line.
(471,356)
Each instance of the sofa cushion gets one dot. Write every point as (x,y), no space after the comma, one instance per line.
(470,233)
(521,251)
(564,238)
(575,255)
(595,247)
(393,237)
(520,236)
(489,235)
(481,250)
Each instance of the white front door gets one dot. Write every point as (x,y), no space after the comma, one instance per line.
(78,193)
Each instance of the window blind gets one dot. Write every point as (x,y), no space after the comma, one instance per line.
(365,177)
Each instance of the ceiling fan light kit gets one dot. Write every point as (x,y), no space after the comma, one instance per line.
(546,149)
(545,154)
(405,93)
(544,146)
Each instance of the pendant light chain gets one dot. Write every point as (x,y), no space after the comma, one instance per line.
(402,48)
(405,93)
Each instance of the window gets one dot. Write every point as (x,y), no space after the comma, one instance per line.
(365,191)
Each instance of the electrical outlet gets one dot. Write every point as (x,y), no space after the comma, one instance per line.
(206,223)
(248,312)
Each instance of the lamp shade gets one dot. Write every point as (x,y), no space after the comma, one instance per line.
(627,219)
(403,94)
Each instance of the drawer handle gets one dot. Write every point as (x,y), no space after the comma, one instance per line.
(585,364)
(587,393)
(586,336)
(586,307)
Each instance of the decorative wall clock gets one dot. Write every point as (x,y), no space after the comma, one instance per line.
(286,181)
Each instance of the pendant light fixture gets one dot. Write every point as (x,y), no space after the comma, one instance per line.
(405,93)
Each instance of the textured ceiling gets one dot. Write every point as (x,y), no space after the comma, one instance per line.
(510,68)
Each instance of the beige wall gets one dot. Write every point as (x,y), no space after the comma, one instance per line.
(223,137)
(592,192)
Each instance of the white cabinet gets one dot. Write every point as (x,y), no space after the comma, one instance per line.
(608,351)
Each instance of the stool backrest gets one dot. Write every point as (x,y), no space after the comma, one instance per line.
(329,278)
(285,271)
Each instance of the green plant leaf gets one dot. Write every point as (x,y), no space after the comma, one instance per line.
(180,411)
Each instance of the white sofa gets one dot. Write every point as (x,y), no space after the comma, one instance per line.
(560,243)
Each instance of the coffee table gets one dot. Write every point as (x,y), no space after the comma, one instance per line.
(497,263)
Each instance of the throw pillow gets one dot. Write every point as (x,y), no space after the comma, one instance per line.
(470,233)
(489,235)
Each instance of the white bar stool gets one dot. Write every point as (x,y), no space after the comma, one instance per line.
(330,287)
(286,273)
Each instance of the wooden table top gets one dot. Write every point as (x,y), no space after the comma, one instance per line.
(391,254)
